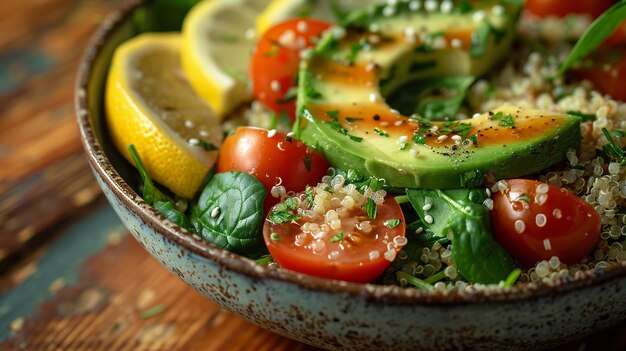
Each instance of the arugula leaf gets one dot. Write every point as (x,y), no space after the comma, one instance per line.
(460,215)
(595,34)
(432,98)
(235,225)
(151,193)
(154,197)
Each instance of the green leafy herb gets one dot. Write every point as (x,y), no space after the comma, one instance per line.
(336,238)
(370,207)
(392,223)
(307,163)
(151,193)
(170,212)
(480,40)
(524,197)
(584,117)
(309,195)
(165,205)
(284,212)
(474,139)
(512,277)
(419,139)
(507,121)
(460,215)
(432,98)
(355,49)
(275,237)
(381,132)
(416,282)
(612,150)
(329,190)
(264,260)
(337,126)
(472,179)
(353,119)
(153,311)
(595,34)
(229,212)
(498,116)
(333,114)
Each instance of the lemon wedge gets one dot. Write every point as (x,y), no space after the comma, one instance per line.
(327,10)
(218,37)
(149,103)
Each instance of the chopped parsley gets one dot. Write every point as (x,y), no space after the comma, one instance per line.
(419,139)
(337,237)
(353,119)
(392,223)
(284,212)
(508,121)
(275,237)
(309,195)
(337,126)
(307,163)
(370,207)
(381,132)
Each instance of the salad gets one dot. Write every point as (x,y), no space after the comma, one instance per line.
(428,144)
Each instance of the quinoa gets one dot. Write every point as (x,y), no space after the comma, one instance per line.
(522,81)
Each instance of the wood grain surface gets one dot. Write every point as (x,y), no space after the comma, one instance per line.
(71,277)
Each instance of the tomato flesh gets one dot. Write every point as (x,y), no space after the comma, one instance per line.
(276,58)
(349,259)
(562,8)
(533,228)
(273,158)
(608,72)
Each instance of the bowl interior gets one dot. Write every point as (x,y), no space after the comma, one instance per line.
(130,21)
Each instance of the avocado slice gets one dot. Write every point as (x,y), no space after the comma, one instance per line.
(342,110)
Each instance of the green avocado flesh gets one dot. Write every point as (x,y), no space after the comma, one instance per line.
(344,80)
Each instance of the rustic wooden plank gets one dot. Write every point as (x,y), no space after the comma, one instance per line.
(44,178)
(123,299)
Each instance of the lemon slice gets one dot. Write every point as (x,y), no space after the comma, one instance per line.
(280,10)
(149,103)
(218,36)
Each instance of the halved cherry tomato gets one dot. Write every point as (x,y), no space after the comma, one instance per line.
(608,72)
(355,255)
(618,37)
(533,227)
(275,61)
(273,159)
(562,8)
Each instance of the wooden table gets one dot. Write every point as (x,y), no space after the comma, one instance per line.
(71,277)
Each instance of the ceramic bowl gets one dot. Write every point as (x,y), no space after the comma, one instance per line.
(333,314)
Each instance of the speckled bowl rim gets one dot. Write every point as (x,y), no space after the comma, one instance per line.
(371,292)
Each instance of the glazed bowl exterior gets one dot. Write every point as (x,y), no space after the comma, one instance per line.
(333,314)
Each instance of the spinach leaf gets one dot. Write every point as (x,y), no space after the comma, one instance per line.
(597,32)
(460,215)
(433,98)
(156,198)
(229,212)
(168,210)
